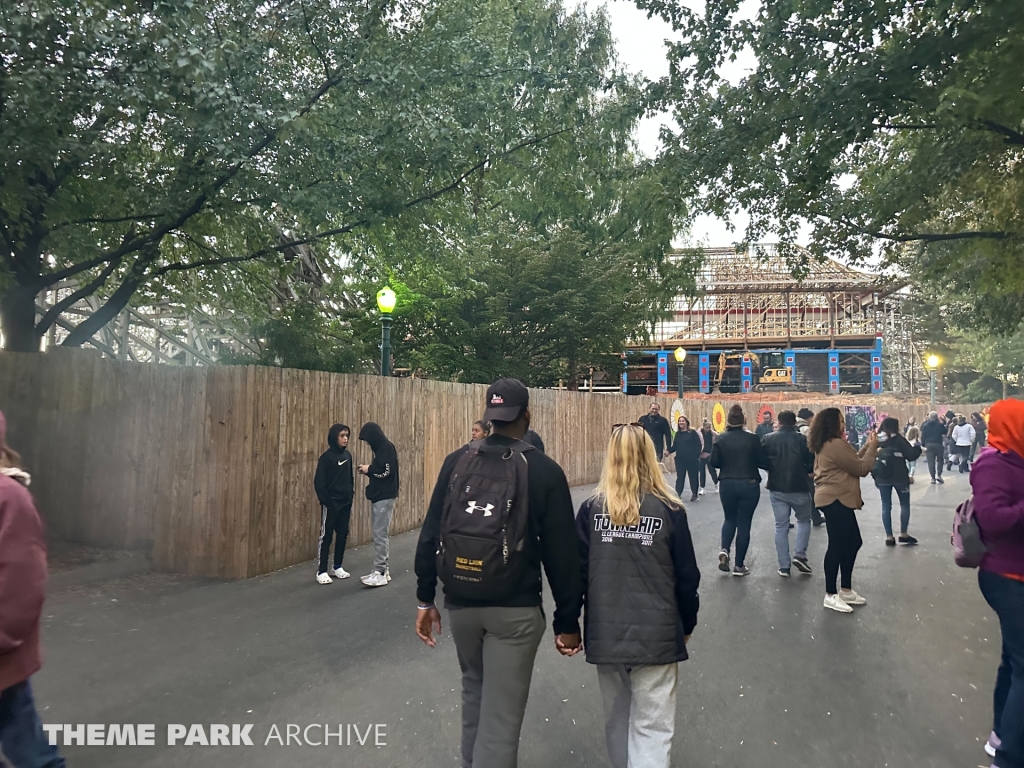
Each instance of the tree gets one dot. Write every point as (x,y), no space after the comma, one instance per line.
(895,125)
(999,357)
(176,148)
(547,264)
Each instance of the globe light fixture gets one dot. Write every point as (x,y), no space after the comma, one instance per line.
(386,301)
(680,355)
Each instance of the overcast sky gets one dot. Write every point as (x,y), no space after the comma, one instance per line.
(640,45)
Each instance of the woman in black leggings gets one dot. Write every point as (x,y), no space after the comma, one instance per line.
(838,468)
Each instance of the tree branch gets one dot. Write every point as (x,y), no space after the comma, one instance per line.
(1012,136)
(86,290)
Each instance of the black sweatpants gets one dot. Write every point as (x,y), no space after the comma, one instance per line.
(682,472)
(334,521)
(843,543)
(935,459)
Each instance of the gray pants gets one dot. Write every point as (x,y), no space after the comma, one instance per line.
(801,505)
(639,713)
(496,649)
(381,512)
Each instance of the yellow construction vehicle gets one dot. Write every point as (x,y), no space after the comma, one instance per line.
(776,380)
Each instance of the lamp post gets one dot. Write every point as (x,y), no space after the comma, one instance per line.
(386,304)
(932,362)
(680,355)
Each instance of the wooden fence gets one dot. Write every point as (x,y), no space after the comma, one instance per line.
(212,468)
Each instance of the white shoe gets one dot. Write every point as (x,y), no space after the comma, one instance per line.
(700,492)
(834,603)
(340,573)
(323,578)
(375,579)
(852,598)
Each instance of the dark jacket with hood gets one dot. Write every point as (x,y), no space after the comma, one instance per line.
(383,471)
(641,584)
(790,461)
(334,478)
(891,462)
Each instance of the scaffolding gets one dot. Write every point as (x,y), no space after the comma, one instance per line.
(748,302)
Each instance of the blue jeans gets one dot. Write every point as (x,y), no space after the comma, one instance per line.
(1006,597)
(739,500)
(21,734)
(903,493)
(801,505)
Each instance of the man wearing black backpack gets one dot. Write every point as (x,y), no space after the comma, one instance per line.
(499,510)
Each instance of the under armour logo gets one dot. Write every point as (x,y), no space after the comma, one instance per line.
(473,507)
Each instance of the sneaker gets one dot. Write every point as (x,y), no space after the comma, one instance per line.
(818,523)
(375,579)
(694,497)
(700,492)
(323,578)
(993,743)
(890,541)
(911,479)
(723,561)
(907,539)
(934,481)
(340,573)
(387,575)
(834,603)
(784,572)
(940,481)
(852,598)
(741,570)
(802,565)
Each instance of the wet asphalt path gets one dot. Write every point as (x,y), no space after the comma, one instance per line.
(774,681)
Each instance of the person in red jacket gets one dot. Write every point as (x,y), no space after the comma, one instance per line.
(22,585)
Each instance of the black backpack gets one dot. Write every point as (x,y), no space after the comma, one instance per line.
(884,462)
(482,551)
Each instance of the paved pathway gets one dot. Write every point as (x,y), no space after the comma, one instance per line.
(775,681)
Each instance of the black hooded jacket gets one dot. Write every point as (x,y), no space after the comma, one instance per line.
(383,471)
(334,481)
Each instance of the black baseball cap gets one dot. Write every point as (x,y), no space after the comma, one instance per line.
(506,399)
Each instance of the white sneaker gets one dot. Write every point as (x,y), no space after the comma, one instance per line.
(323,578)
(700,492)
(340,573)
(387,574)
(375,579)
(834,603)
(852,598)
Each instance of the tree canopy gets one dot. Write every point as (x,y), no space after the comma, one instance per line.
(891,125)
(182,150)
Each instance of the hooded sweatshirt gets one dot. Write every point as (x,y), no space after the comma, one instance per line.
(334,480)
(22,580)
(383,471)
(997,480)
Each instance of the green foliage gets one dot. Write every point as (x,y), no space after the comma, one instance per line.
(181,150)
(894,124)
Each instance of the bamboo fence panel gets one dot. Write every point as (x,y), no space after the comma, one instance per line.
(212,468)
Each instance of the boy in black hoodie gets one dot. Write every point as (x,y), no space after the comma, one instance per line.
(334,485)
(382,490)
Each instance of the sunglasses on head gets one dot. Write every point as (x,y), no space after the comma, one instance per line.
(630,424)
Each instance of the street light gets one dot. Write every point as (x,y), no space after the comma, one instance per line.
(680,355)
(386,304)
(932,362)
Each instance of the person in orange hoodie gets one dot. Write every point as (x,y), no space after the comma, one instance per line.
(22,587)
(997,481)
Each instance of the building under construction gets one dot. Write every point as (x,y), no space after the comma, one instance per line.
(751,326)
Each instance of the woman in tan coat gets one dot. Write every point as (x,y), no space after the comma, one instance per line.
(838,468)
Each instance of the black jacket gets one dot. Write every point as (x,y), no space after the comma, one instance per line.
(641,584)
(657,427)
(932,432)
(687,448)
(737,455)
(533,439)
(550,519)
(763,430)
(790,461)
(891,463)
(334,481)
(383,471)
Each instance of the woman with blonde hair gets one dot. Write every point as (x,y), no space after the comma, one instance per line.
(640,578)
